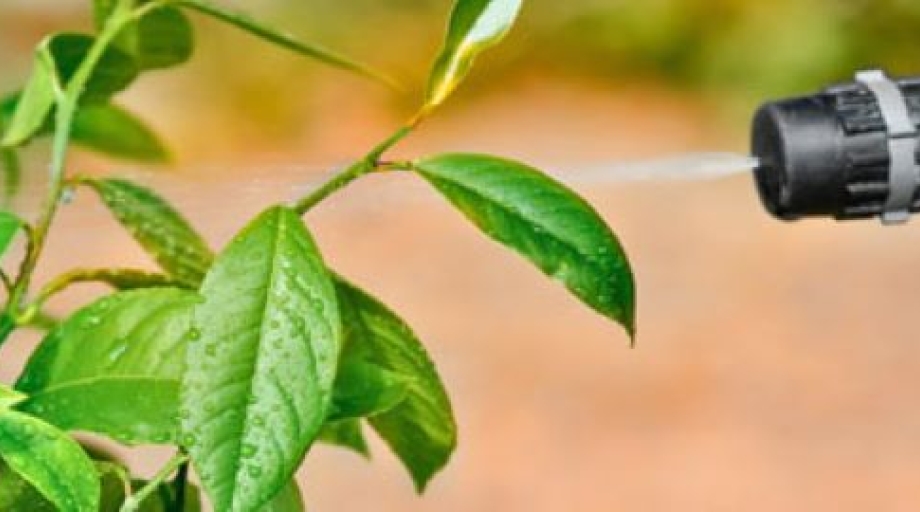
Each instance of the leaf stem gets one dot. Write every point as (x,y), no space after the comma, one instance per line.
(67,104)
(181,486)
(133,503)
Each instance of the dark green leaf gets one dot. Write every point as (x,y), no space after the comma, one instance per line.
(363,389)
(114,480)
(56,60)
(246,23)
(346,434)
(161,39)
(421,429)
(158,227)
(114,367)
(542,220)
(259,378)
(9,226)
(475,26)
(114,131)
(288,500)
(50,461)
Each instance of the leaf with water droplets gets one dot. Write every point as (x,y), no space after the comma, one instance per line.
(542,220)
(50,461)
(475,26)
(258,380)
(161,230)
(420,429)
(114,367)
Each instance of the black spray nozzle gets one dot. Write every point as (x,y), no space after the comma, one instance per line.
(848,152)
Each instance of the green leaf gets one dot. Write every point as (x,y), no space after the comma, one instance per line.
(114,480)
(116,132)
(288,500)
(50,461)
(10,397)
(18,495)
(158,227)
(363,389)
(57,59)
(12,173)
(114,367)
(259,378)
(9,226)
(421,429)
(475,26)
(36,100)
(542,220)
(346,434)
(161,39)
(247,24)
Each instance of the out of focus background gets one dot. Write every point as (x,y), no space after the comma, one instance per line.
(778,365)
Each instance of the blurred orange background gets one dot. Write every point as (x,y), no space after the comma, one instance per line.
(777,366)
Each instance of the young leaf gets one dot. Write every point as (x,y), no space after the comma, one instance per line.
(542,220)
(259,377)
(50,461)
(158,227)
(363,389)
(161,39)
(475,26)
(246,23)
(288,500)
(421,429)
(116,132)
(114,367)
(36,100)
(9,226)
(56,60)
(346,434)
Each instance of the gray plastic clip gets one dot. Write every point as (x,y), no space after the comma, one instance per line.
(903,138)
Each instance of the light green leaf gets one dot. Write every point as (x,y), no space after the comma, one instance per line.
(247,24)
(288,500)
(258,380)
(421,429)
(114,367)
(10,397)
(116,132)
(36,100)
(542,220)
(475,26)
(161,39)
(50,461)
(18,495)
(363,389)
(9,226)
(346,434)
(56,60)
(158,227)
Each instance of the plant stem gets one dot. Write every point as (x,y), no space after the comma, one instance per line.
(181,486)
(134,501)
(67,104)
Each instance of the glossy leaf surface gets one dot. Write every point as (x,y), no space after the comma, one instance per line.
(161,230)
(53,463)
(116,132)
(475,26)
(420,430)
(114,367)
(260,371)
(542,220)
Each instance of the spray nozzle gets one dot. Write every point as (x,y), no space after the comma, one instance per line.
(850,151)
